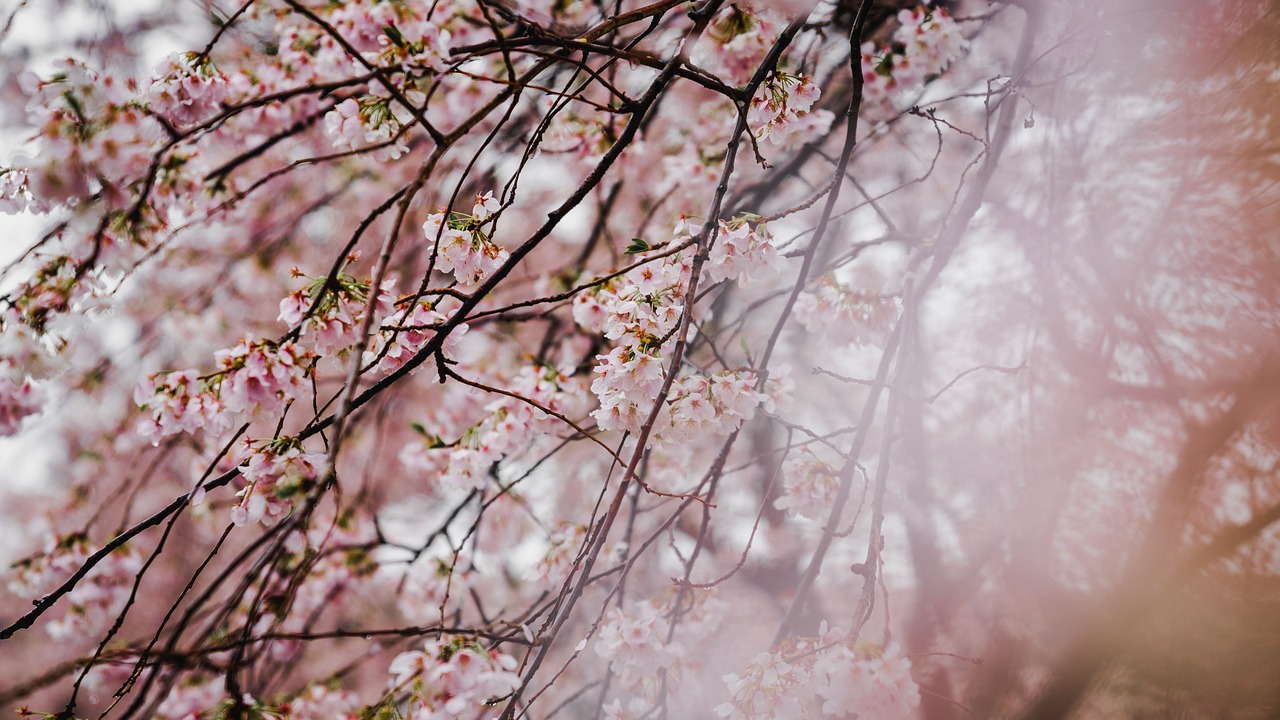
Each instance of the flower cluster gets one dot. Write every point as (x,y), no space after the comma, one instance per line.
(322,702)
(737,40)
(15,191)
(926,42)
(782,107)
(403,333)
(930,41)
(372,121)
(452,678)
(627,382)
(646,307)
(398,36)
(809,488)
(640,647)
(334,326)
(640,311)
(743,251)
(193,697)
(824,677)
(882,685)
(702,406)
(392,34)
(415,45)
(253,376)
(634,642)
(262,375)
(19,399)
(57,286)
(187,88)
(464,250)
(179,401)
(274,474)
(93,131)
(843,316)
(512,425)
(95,601)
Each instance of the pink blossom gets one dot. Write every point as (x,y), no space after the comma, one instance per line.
(844,316)
(931,39)
(737,40)
(15,191)
(486,205)
(782,107)
(405,332)
(453,678)
(634,642)
(809,488)
(179,401)
(192,698)
(742,252)
(274,474)
(262,376)
(18,401)
(94,602)
(333,328)
(464,251)
(187,88)
(826,677)
(318,702)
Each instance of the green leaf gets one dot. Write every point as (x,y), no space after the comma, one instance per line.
(637,245)
(394,35)
(435,441)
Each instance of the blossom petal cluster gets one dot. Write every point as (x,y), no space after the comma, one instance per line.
(19,399)
(179,402)
(926,42)
(262,375)
(640,311)
(192,697)
(187,88)
(406,331)
(274,474)
(635,644)
(321,702)
(94,602)
(701,406)
(737,40)
(809,488)
(465,251)
(841,315)
(452,678)
(333,327)
(829,676)
(253,377)
(782,109)
(744,251)
(511,425)
(648,644)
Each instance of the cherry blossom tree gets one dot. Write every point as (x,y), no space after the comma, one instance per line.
(487,359)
